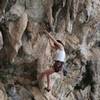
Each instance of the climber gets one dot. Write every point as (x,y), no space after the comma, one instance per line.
(59,59)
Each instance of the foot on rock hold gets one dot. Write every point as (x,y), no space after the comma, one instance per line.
(48,90)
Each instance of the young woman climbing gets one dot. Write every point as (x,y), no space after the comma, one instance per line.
(59,59)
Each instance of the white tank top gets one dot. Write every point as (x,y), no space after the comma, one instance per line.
(60,55)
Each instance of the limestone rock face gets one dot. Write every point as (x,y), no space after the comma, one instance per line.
(25,50)
(1,41)
(3,95)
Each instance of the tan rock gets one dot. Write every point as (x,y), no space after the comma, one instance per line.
(3,95)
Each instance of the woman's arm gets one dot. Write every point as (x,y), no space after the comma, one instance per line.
(51,44)
(53,39)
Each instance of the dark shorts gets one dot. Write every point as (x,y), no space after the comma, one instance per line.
(58,66)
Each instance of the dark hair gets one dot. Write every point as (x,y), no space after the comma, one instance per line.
(60,42)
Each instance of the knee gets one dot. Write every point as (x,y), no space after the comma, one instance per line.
(48,75)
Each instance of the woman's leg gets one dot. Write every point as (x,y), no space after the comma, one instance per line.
(48,81)
(47,73)
(51,71)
